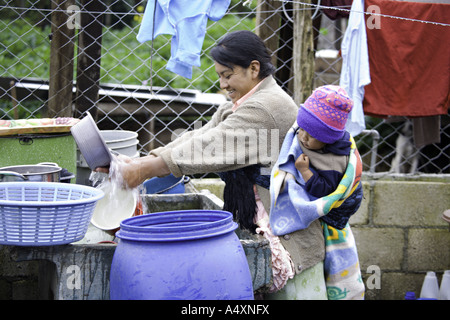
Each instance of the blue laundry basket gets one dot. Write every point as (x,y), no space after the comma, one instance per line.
(45,213)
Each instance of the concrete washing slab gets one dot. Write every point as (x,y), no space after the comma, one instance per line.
(80,271)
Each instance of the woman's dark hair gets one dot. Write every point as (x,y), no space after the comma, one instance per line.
(241,48)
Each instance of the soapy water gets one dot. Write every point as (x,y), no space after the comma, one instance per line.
(119,202)
(114,175)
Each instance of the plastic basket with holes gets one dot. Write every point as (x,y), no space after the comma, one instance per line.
(45,213)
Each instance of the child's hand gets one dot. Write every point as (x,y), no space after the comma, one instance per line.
(302,162)
(302,165)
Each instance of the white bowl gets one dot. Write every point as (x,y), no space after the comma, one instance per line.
(91,143)
(119,138)
(117,205)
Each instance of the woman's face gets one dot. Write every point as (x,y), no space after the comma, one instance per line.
(237,81)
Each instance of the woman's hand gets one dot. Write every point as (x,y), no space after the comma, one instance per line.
(127,171)
(120,169)
(132,172)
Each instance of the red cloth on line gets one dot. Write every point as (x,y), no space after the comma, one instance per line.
(409,60)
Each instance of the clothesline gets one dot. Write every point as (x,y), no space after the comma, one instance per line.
(138,13)
(366,13)
(313,7)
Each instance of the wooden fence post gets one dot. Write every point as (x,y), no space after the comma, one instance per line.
(268,25)
(273,27)
(89,56)
(61,61)
(303,52)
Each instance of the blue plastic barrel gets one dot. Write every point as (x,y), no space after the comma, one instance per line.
(187,255)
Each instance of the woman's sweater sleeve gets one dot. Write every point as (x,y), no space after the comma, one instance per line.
(224,144)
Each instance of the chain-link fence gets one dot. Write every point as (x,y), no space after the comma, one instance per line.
(54,52)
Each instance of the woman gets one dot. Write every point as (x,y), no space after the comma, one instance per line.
(240,142)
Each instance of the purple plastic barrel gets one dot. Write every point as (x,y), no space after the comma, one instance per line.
(187,255)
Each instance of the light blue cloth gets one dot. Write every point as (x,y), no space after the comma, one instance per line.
(295,194)
(186,21)
(292,208)
(355,72)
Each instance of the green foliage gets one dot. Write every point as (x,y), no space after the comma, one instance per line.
(25,52)
(125,60)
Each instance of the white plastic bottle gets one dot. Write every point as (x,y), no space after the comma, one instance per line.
(444,291)
(430,286)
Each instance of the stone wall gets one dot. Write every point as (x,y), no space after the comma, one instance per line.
(401,235)
(18,280)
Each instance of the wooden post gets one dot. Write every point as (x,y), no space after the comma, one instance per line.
(89,55)
(14,103)
(272,26)
(268,25)
(285,51)
(303,52)
(61,61)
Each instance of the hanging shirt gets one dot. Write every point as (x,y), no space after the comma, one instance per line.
(355,73)
(186,21)
(409,60)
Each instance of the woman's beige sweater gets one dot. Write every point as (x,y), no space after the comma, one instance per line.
(252,134)
(231,140)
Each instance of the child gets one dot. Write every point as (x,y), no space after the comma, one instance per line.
(317,177)
(326,147)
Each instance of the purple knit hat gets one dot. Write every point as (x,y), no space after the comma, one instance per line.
(325,113)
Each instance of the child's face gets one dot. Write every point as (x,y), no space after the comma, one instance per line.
(308,141)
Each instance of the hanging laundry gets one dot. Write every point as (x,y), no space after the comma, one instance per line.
(409,60)
(333,14)
(426,130)
(186,21)
(355,74)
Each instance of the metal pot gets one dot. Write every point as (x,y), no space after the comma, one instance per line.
(42,172)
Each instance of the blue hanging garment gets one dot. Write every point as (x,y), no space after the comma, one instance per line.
(186,21)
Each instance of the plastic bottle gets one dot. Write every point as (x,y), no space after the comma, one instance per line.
(410,295)
(430,286)
(444,291)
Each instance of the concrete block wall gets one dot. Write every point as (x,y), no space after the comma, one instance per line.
(399,231)
(400,235)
